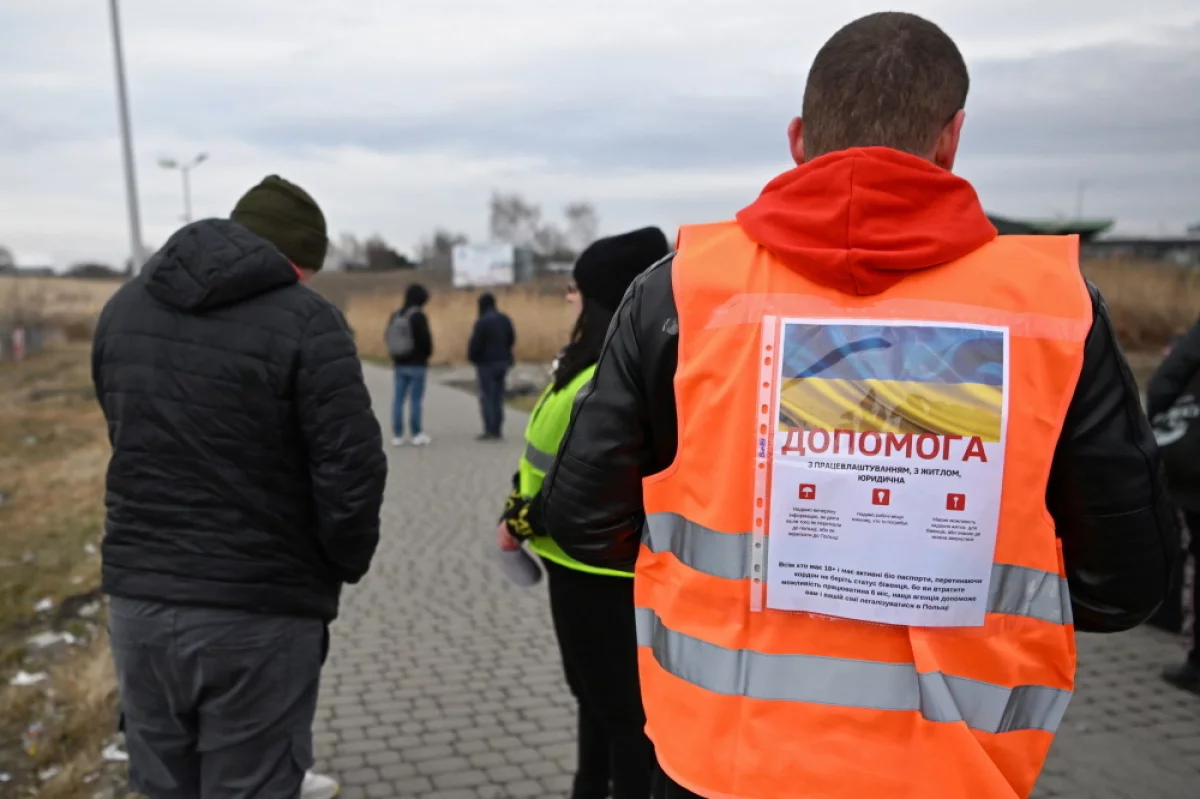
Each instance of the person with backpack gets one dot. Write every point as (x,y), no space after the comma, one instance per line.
(409,344)
(1173,404)
(491,351)
(592,608)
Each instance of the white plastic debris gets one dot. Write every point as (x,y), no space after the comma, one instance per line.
(48,639)
(114,754)
(5,776)
(49,773)
(24,678)
(44,605)
(89,610)
(90,548)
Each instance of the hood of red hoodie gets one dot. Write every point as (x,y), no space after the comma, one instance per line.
(859,220)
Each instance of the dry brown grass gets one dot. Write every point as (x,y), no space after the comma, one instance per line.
(540,314)
(53,451)
(55,299)
(1150,302)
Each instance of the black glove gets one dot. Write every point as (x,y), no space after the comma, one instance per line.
(519,526)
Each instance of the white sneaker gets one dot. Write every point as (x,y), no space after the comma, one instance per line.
(397,441)
(318,786)
(421,440)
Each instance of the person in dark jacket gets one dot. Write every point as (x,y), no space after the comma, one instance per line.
(1173,404)
(244,491)
(411,369)
(491,351)
(592,608)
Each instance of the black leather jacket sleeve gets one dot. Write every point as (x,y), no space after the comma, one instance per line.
(1108,495)
(623,428)
(1106,492)
(1171,378)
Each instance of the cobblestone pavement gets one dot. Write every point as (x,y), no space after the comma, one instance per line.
(443,682)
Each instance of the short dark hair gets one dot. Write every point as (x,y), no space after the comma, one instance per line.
(886,80)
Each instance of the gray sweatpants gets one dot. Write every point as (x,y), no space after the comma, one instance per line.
(218,704)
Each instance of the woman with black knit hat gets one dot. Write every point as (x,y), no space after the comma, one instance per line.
(592,608)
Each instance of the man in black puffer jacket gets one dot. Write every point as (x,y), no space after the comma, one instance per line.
(244,490)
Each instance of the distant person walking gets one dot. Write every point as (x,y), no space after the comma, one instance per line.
(491,352)
(410,344)
(1173,404)
(244,490)
(592,607)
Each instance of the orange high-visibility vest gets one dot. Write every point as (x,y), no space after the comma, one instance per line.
(770,705)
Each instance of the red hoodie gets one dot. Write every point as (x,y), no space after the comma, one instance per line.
(858,220)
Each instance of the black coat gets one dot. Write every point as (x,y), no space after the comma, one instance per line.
(415,298)
(247,468)
(492,340)
(1176,376)
(1105,491)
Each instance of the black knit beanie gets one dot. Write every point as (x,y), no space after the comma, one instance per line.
(285,215)
(608,266)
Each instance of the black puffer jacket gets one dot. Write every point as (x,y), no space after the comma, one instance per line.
(1105,492)
(247,468)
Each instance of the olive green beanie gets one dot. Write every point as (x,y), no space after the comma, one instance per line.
(285,215)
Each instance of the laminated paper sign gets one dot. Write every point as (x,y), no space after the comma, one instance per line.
(887,470)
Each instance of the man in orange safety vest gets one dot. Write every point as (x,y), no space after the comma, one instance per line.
(875,464)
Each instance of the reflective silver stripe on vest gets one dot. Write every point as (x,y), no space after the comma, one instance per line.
(851,683)
(1015,590)
(1021,591)
(542,461)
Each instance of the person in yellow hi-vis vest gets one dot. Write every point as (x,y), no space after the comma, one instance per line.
(592,607)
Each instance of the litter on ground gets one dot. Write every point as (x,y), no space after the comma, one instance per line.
(23,678)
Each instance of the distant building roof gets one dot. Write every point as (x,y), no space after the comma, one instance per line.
(1085,228)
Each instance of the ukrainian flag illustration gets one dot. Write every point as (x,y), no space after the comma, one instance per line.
(893,379)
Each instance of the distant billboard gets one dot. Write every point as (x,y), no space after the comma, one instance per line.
(483,265)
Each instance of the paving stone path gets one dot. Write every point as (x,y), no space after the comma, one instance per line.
(444,683)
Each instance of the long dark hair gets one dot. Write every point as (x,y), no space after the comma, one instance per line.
(586,341)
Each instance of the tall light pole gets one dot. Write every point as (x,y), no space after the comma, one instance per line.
(1083,184)
(136,255)
(185,169)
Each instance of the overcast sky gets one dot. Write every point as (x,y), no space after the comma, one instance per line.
(401,116)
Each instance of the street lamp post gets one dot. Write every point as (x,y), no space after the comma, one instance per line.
(185,169)
(1083,184)
(136,254)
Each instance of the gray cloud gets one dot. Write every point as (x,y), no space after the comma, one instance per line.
(636,104)
(1098,101)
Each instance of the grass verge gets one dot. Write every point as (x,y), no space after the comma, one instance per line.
(54,452)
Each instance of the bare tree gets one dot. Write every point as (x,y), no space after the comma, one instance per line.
(379,255)
(583,225)
(437,251)
(512,220)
